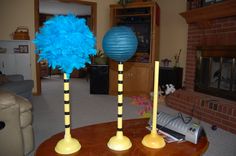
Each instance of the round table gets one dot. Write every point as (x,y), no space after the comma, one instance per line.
(94,138)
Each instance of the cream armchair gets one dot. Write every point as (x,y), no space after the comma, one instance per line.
(16,132)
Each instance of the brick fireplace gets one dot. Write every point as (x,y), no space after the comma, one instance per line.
(216,29)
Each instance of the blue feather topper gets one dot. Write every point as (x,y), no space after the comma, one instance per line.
(65,42)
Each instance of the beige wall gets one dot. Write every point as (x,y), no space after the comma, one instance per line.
(21,12)
(14,13)
(103,18)
(173,30)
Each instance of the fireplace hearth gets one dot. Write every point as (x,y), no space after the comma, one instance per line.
(216,71)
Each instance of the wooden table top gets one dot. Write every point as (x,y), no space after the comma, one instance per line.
(94,138)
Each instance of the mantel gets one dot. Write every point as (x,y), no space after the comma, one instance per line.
(205,14)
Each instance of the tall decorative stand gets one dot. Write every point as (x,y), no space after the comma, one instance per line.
(119,142)
(153,140)
(66,42)
(67,145)
(120,44)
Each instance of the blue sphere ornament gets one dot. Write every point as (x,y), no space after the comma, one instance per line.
(120,43)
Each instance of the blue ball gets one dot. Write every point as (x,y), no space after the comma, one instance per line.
(120,43)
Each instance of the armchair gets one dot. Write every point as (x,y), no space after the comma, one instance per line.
(16,132)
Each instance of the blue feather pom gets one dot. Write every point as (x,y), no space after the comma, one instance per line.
(65,42)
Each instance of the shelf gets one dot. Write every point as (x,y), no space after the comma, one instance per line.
(205,14)
(141,17)
(133,15)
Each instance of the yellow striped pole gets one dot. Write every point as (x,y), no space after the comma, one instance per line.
(119,142)
(68,145)
(153,140)
(120,99)
(67,106)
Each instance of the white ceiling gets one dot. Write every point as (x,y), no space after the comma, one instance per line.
(57,7)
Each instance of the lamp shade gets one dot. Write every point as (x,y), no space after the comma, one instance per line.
(120,43)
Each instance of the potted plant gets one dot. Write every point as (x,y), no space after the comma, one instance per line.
(100,58)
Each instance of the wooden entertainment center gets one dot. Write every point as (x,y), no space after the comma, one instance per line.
(143,18)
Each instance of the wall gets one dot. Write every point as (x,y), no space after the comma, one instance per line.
(173,30)
(14,13)
(103,19)
(56,7)
(172,36)
(215,111)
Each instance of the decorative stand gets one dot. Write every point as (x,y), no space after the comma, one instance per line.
(153,140)
(67,145)
(120,44)
(66,42)
(119,142)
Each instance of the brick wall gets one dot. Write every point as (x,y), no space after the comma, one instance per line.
(221,32)
(217,111)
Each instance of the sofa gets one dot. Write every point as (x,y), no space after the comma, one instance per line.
(17,84)
(16,132)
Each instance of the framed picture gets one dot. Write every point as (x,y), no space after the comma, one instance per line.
(23,49)
(208,2)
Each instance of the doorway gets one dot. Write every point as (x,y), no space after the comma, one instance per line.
(45,9)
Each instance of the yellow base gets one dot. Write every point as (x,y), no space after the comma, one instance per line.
(67,146)
(119,143)
(153,141)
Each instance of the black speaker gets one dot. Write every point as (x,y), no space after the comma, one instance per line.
(99,79)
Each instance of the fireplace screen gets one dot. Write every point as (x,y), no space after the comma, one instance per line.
(216,71)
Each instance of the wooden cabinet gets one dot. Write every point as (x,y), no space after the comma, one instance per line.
(143,18)
(137,78)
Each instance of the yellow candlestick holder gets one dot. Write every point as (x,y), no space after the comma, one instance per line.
(153,140)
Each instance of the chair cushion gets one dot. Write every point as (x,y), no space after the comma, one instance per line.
(17,136)
(25,119)
(25,105)
(25,111)
(7,99)
(28,139)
